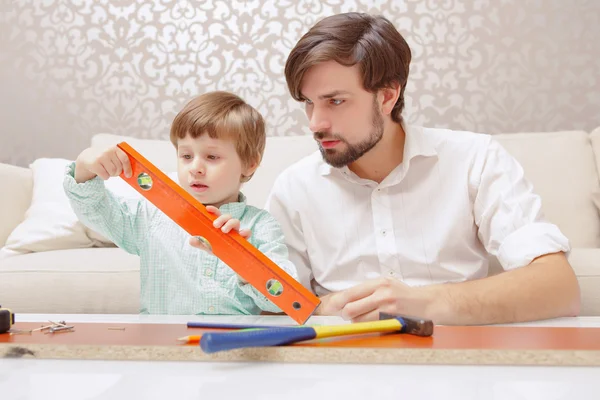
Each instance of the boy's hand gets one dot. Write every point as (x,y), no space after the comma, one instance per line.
(226,223)
(223,221)
(103,163)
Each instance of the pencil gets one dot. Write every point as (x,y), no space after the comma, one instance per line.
(190,339)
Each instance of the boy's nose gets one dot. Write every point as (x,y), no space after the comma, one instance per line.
(198,168)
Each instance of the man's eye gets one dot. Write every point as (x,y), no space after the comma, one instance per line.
(336,102)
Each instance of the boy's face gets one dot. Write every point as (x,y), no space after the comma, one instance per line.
(209,169)
(345,118)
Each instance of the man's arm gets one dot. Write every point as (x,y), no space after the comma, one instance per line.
(546,288)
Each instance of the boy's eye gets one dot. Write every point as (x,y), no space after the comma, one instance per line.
(213,157)
(186,156)
(336,102)
(307,101)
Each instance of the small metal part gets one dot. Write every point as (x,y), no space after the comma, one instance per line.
(20,331)
(116,328)
(42,328)
(63,328)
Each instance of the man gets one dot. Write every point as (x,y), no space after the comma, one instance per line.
(400,219)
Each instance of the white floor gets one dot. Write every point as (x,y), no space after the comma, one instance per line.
(82,380)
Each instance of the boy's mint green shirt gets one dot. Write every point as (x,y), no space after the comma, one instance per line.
(175,277)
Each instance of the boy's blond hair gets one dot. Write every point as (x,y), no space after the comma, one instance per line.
(223,115)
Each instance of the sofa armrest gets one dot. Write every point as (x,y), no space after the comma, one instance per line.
(16,188)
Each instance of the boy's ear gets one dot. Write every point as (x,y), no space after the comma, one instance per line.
(250,169)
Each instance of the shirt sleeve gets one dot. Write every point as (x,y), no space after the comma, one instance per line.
(279,204)
(120,220)
(268,238)
(508,213)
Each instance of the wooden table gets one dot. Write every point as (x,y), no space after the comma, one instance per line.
(451,345)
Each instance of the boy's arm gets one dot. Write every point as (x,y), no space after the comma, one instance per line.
(122,221)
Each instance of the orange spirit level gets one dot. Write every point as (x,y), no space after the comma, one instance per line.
(231,248)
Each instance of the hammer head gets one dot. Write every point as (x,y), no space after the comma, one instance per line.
(411,325)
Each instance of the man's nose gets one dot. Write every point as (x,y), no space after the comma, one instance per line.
(319,121)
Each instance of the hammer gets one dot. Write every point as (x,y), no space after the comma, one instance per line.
(213,342)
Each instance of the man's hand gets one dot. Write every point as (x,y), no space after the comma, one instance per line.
(93,162)
(365,301)
(546,288)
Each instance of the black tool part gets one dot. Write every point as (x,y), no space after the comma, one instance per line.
(413,325)
(7,319)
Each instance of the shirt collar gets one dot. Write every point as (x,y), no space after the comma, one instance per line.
(235,209)
(415,145)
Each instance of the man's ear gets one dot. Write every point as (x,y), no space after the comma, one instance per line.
(388,97)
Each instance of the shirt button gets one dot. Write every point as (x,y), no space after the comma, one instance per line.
(383,232)
(211,309)
(208,272)
(392,273)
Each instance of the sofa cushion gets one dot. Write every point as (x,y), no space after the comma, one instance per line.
(586,263)
(595,140)
(94,281)
(17,187)
(49,224)
(562,168)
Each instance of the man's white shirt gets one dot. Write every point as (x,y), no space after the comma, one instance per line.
(456,198)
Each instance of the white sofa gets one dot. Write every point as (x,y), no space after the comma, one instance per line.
(50,263)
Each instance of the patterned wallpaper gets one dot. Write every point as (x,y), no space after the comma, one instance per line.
(70,69)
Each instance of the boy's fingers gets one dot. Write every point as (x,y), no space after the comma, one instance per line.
(199,244)
(217,223)
(122,156)
(213,210)
(231,224)
(245,233)
(101,172)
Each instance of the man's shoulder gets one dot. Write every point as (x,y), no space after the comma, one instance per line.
(454,145)
(440,137)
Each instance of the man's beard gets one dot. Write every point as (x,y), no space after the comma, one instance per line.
(340,158)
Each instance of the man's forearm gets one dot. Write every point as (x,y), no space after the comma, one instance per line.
(547,288)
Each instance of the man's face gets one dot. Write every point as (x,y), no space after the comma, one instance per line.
(345,118)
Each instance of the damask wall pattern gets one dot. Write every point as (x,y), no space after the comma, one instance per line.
(73,68)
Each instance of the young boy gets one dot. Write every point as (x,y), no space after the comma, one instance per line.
(219,141)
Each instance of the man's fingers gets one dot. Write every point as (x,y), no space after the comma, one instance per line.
(359,291)
(126,165)
(366,305)
(370,316)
